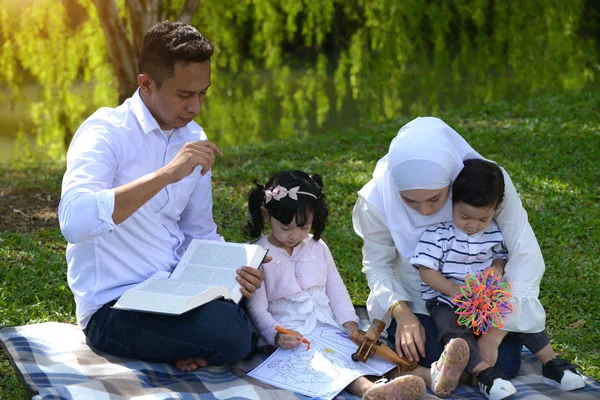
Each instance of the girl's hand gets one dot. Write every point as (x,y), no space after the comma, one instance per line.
(288,342)
(410,334)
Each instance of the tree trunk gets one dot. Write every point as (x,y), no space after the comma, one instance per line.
(120,50)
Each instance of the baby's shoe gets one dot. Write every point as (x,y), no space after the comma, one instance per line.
(562,374)
(407,387)
(446,372)
(493,385)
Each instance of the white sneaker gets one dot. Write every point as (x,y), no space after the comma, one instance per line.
(493,385)
(446,372)
(562,374)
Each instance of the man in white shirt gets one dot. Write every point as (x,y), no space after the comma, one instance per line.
(136,191)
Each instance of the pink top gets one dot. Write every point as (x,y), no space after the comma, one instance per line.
(300,290)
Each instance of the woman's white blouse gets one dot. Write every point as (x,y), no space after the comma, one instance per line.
(391,278)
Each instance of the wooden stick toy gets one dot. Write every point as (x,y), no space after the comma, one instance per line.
(368,343)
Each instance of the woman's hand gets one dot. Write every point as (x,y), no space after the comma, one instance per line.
(350,327)
(410,334)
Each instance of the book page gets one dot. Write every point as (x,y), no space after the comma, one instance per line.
(338,338)
(209,276)
(167,296)
(206,271)
(214,263)
(172,287)
(323,371)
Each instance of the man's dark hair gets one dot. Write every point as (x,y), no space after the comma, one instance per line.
(480,184)
(167,43)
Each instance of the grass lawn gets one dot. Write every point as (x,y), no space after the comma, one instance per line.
(550,145)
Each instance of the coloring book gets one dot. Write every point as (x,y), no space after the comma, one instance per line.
(324,370)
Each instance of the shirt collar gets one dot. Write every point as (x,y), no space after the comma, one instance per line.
(143,114)
(459,233)
(149,123)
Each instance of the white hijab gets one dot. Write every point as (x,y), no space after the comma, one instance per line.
(426,154)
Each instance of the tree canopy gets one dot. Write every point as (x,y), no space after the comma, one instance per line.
(83,54)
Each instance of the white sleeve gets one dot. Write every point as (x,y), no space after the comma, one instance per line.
(88,200)
(525,266)
(379,259)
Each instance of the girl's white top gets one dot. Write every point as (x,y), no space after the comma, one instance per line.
(428,154)
(299,291)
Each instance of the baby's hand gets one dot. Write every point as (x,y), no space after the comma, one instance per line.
(455,290)
(288,342)
(497,271)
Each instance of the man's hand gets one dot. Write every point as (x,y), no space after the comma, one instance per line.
(250,279)
(410,334)
(189,157)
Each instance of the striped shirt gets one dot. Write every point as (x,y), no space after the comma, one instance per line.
(455,254)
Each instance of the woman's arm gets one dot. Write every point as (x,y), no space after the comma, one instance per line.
(388,297)
(379,260)
(525,266)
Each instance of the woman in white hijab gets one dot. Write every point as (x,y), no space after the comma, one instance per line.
(409,191)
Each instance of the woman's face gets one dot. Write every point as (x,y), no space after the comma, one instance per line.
(425,201)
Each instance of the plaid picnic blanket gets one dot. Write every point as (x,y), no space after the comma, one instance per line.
(54,362)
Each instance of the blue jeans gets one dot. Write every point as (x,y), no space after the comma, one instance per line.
(219,331)
(509,352)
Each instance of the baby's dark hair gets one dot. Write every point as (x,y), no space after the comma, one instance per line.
(286,208)
(480,184)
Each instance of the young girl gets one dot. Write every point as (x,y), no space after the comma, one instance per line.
(302,286)
(473,242)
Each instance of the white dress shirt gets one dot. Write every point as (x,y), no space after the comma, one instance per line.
(115,146)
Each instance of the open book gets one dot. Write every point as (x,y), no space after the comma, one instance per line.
(207,271)
(324,370)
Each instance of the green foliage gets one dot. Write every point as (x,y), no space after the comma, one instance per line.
(286,66)
(62,59)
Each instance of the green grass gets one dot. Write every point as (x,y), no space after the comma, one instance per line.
(549,144)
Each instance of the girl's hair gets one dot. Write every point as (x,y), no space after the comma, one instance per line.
(286,208)
(479,184)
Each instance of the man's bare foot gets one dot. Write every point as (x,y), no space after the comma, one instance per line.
(190,364)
